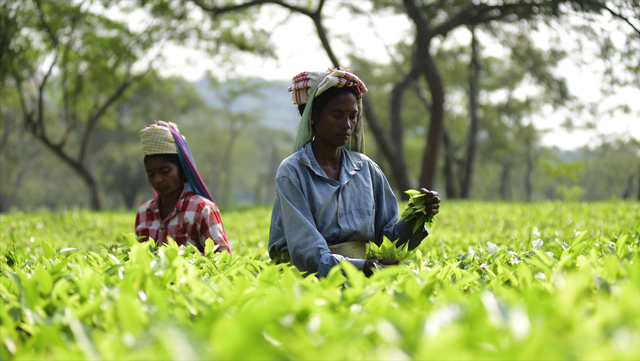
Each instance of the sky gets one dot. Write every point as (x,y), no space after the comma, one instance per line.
(298,49)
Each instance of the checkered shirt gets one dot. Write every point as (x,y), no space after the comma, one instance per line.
(193,220)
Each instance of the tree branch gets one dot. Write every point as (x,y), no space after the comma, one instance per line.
(28,115)
(396,103)
(619,16)
(45,25)
(216,10)
(41,92)
(477,14)
(91,122)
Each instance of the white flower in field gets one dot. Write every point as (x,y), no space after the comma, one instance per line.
(535,232)
(388,331)
(484,265)
(541,276)
(313,325)
(492,248)
(519,324)
(270,339)
(441,318)
(624,339)
(537,243)
(288,320)
(496,312)
(320,302)
(550,254)
(129,339)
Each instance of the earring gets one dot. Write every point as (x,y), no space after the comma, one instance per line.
(312,122)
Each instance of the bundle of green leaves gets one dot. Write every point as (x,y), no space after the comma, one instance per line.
(416,210)
(388,250)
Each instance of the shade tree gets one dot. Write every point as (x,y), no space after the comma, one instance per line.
(433,21)
(70,62)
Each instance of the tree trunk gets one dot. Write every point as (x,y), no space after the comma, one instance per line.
(129,193)
(227,166)
(397,163)
(427,66)
(430,156)
(257,195)
(473,110)
(505,190)
(7,200)
(450,184)
(89,181)
(79,168)
(638,186)
(629,190)
(96,202)
(527,178)
(273,170)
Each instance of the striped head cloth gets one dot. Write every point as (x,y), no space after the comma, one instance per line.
(157,138)
(308,85)
(304,82)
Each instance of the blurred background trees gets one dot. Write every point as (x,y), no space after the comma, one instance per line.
(79,79)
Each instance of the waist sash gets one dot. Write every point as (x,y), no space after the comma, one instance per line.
(353,249)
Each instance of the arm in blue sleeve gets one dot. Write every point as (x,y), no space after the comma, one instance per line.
(387,216)
(307,247)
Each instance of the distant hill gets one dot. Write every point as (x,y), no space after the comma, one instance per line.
(274,103)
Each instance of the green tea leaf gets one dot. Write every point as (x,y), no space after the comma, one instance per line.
(49,252)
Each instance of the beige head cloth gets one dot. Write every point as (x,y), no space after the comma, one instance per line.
(157,138)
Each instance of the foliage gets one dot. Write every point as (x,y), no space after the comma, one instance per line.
(543,280)
(416,210)
(388,250)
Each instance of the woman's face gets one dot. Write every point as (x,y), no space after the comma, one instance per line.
(163,176)
(337,120)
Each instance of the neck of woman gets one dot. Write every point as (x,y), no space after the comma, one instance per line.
(168,202)
(329,158)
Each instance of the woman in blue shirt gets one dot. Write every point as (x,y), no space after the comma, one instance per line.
(331,199)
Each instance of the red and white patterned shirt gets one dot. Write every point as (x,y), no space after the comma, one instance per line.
(193,220)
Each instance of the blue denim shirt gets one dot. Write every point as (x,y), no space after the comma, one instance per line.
(312,211)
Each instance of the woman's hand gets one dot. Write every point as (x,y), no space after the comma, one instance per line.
(431,201)
(371,264)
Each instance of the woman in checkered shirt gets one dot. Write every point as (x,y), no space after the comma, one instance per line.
(182,208)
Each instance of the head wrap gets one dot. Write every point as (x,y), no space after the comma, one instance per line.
(308,85)
(157,139)
(164,138)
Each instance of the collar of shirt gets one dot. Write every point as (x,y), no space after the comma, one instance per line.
(350,164)
(154,206)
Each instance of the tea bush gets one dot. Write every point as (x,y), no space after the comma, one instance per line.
(493,281)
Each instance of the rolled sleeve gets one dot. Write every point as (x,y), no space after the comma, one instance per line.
(211,228)
(387,221)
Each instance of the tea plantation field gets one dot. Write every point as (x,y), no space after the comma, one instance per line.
(493,281)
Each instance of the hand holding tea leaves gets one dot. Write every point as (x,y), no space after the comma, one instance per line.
(423,206)
(372,264)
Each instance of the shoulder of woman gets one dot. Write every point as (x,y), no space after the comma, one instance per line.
(145,206)
(200,204)
(290,164)
(366,161)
